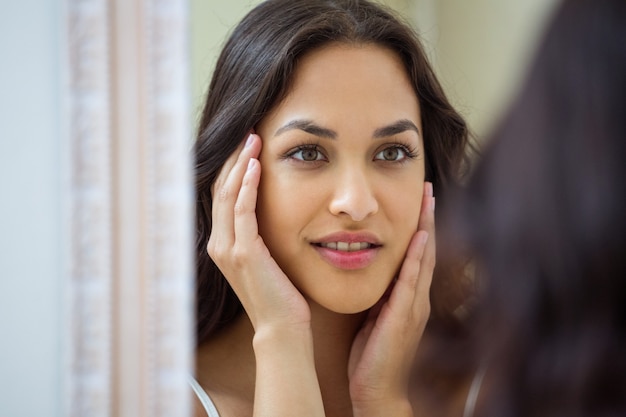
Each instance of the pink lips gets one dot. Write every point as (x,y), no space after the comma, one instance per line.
(357,257)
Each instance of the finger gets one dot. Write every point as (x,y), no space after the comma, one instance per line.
(413,286)
(232,172)
(228,165)
(403,294)
(428,260)
(227,187)
(245,220)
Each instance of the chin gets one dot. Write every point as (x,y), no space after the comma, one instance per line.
(345,293)
(352,304)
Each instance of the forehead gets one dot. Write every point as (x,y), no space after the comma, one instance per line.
(351,81)
(366,67)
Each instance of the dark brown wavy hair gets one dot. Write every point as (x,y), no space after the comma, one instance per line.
(545,216)
(253,74)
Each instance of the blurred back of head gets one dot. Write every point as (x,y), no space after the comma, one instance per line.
(544,215)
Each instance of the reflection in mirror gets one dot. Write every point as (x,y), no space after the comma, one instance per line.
(127,106)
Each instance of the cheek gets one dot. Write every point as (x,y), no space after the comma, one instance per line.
(282,204)
(403,202)
(403,212)
(268,203)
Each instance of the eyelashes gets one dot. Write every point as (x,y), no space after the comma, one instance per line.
(396,152)
(307,152)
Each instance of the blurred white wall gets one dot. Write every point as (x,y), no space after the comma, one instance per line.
(30,178)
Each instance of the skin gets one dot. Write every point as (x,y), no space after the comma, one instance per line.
(308,345)
(362,178)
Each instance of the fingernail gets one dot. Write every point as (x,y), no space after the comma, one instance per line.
(250,139)
(432,204)
(250,164)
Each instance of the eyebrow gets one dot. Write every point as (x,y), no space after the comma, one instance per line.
(309,126)
(396,128)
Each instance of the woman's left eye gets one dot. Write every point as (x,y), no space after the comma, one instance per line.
(393,154)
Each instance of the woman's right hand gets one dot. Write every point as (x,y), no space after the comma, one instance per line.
(286,380)
(266,293)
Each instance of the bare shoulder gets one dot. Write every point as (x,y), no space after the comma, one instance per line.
(225,369)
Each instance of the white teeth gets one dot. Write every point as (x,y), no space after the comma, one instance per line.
(345,246)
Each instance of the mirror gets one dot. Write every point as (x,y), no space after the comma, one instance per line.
(100,102)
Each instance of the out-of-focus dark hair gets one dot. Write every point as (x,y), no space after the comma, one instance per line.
(253,74)
(545,217)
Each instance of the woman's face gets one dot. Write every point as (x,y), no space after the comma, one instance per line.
(342,175)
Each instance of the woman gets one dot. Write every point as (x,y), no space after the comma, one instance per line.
(323,134)
(544,215)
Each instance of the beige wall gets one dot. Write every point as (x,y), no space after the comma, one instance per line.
(482,51)
(479,48)
(211,22)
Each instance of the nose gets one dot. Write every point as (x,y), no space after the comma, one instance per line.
(353,195)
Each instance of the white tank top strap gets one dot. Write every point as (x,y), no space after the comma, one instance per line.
(203,397)
(472,395)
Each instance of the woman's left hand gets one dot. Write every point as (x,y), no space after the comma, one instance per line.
(383,350)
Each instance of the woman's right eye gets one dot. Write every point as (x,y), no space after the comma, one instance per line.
(307,154)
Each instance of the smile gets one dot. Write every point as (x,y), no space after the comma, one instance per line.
(346,246)
(348,250)
(348,256)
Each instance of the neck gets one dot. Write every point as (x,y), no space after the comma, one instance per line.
(225,364)
(333,334)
